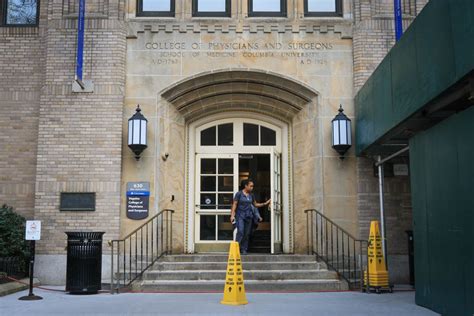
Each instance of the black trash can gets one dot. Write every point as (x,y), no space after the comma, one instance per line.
(411,256)
(84,262)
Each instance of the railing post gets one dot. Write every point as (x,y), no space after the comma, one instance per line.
(315,240)
(117,276)
(348,257)
(361,268)
(136,255)
(146,243)
(141,249)
(171,233)
(354,258)
(130,258)
(159,239)
(167,233)
(368,273)
(320,235)
(343,261)
(337,247)
(326,238)
(161,235)
(112,269)
(332,247)
(308,224)
(124,262)
(152,258)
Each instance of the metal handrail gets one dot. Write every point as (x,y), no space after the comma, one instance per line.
(131,256)
(336,247)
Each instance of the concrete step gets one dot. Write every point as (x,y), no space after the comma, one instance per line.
(245,258)
(248,275)
(252,265)
(261,272)
(250,285)
(259,243)
(260,250)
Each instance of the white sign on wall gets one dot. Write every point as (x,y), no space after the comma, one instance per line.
(400,169)
(33,230)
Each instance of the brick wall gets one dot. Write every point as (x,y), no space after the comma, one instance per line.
(374,33)
(80,134)
(397,205)
(22,68)
(54,140)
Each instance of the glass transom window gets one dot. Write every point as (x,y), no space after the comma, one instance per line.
(211,8)
(237,136)
(220,135)
(20,12)
(255,135)
(266,5)
(323,7)
(267,8)
(155,8)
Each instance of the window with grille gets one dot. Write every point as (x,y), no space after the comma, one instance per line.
(19,12)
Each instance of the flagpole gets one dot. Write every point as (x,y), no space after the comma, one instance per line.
(80,42)
(397,4)
(79,84)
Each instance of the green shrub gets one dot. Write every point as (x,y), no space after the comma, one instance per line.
(12,234)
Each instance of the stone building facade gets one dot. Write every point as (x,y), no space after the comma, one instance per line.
(289,74)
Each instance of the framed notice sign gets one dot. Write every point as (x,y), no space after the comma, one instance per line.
(33,230)
(77,201)
(138,199)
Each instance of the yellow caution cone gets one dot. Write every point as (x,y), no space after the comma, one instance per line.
(378,274)
(234,290)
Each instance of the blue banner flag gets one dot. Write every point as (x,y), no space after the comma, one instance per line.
(398,19)
(80,39)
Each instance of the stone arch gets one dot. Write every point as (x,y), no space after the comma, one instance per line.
(239,89)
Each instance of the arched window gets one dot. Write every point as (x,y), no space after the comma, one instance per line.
(223,135)
(237,135)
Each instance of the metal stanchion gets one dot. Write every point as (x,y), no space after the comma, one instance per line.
(31,296)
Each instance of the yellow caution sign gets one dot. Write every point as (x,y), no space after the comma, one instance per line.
(378,274)
(234,290)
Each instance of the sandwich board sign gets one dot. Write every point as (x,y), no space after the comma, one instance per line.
(33,230)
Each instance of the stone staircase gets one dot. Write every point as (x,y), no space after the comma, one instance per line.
(262,272)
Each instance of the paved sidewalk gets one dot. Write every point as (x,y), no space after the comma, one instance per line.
(346,303)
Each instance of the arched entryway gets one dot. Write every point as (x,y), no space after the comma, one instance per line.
(223,150)
(235,118)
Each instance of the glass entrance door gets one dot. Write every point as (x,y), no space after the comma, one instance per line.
(215,186)
(225,152)
(257,168)
(276,210)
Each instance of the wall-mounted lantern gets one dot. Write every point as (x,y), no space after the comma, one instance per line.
(341,133)
(137,141)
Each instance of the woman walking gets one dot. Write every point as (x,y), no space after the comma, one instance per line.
(242,214)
